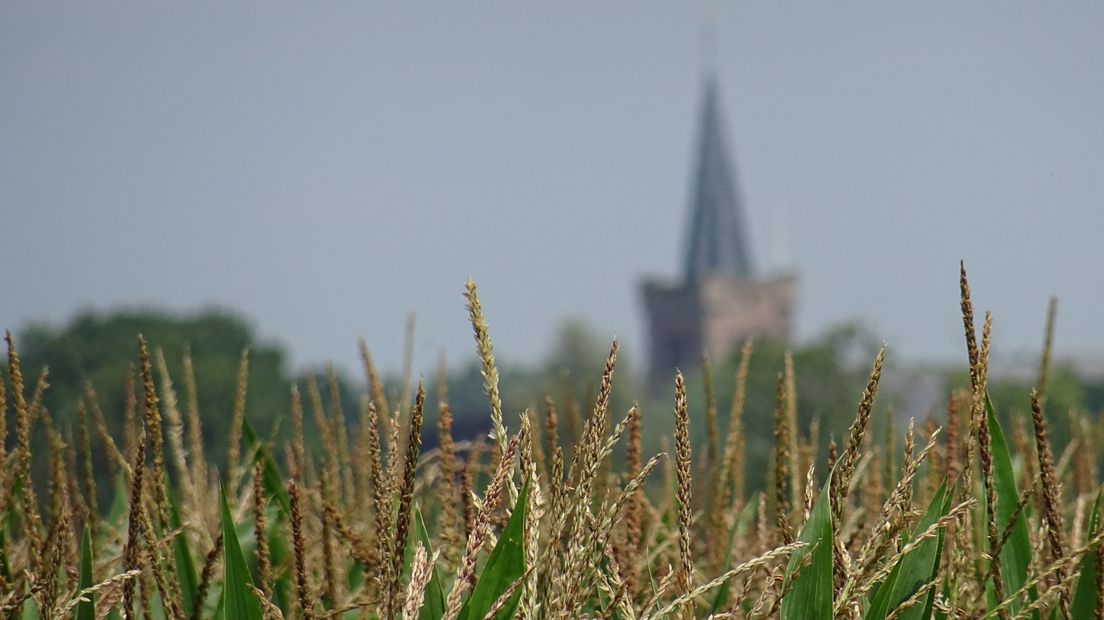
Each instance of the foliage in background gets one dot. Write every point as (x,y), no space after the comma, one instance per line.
(830,376)
(97,348)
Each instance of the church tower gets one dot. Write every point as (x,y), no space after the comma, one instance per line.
(720,300)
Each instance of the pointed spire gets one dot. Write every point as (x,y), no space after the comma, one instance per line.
(716,238)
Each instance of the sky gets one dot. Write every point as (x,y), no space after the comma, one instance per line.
(327,168)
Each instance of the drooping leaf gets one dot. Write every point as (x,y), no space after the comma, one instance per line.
(433,603)
(1084,595)
(811,593)
(239,601)
(86,610)
(505,566)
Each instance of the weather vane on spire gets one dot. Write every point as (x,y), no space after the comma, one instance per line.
(707,36)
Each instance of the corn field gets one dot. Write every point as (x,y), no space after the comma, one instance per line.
(534,521)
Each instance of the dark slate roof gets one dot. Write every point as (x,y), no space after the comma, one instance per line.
(716,239)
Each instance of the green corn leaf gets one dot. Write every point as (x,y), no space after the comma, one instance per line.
(505,566)
(86,610)
(929,554)
(182,555)
(603,600)
(915,569)
(433,603)
(239,600)
(270,474)
(811,592)
(1084,595)
(720,601)
(1016,554)
(879,600)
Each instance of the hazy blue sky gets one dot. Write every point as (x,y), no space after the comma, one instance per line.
(328,167)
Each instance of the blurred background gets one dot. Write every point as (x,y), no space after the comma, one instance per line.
(290,178)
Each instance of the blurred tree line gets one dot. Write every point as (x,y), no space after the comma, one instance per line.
(101,349)
(830,372)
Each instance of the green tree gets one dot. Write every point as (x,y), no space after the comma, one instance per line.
(100,347)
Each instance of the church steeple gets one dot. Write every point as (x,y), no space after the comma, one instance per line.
(719,302)
(716,238)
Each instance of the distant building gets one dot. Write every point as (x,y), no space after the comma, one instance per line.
(720,300)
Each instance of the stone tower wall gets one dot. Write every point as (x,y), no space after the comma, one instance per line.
(713,316)
(735,311)
(675,337)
